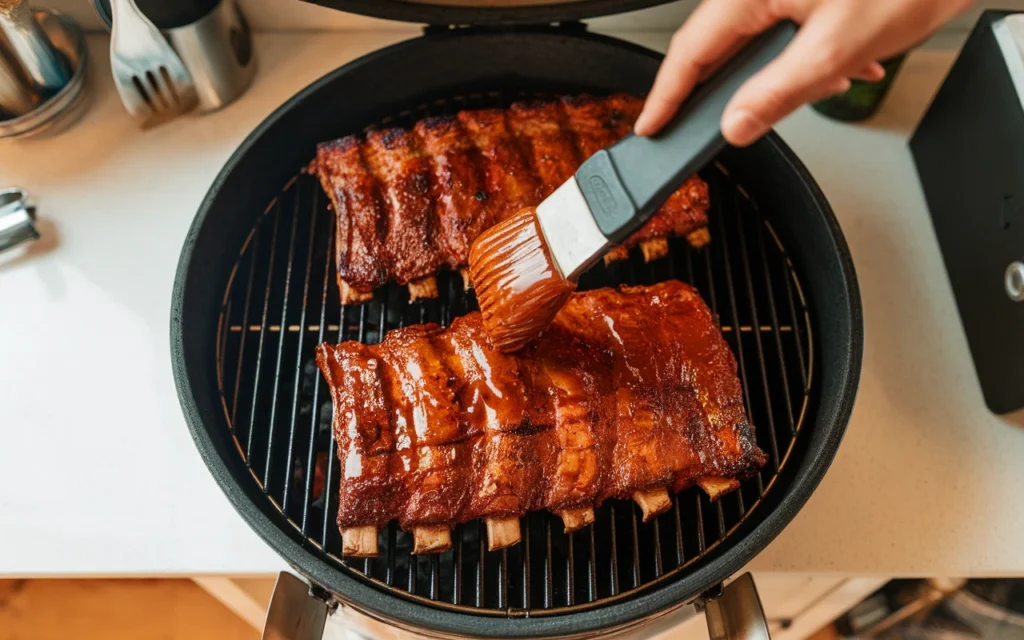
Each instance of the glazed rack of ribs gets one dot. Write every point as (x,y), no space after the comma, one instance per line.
(631,393)
(410,201)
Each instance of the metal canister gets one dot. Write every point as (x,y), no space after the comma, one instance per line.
(213,40)
(45,68)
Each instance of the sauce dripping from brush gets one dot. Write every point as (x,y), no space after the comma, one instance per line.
(518,285)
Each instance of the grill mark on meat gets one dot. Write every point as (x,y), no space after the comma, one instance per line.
(571,385)
(371,489)
(510,183)
(491,392)
(358,211)
(590,122)
(456,186)
(630,392)
(403,171)
(542,129)
(430,447)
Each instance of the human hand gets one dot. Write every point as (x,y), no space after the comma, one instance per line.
(837,40)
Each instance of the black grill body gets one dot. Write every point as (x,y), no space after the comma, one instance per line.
(255,293)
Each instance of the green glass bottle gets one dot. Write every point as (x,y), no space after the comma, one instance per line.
(863,98)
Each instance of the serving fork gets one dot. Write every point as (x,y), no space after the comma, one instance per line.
(150,77)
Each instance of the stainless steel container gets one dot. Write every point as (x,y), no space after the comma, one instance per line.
(60,110)
(213,40)
(43,65)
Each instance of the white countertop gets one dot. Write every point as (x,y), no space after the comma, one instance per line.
(99,475)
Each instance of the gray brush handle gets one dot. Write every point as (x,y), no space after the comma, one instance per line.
(626,183)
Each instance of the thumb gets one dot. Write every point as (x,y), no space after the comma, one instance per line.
(813,66)
(744,124)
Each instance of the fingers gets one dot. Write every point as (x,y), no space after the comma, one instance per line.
(813,66)
(715,30)
(710,69)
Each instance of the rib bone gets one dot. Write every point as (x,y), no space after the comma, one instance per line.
(654,248)
(576,519)
(359,542)
(425,287)
(615,254)
(502,532)
(717,487)
(653,502)
(698,238)
(431,539)
(350,295)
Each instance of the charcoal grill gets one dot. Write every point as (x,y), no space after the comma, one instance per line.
(256,292)
(282,300)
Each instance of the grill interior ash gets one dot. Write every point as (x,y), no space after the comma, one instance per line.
(281,300)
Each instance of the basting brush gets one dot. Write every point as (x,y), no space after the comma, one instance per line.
(524,268)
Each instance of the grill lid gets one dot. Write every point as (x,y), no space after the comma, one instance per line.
(487,12)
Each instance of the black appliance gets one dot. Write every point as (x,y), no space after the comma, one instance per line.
(255,292)
(969,152)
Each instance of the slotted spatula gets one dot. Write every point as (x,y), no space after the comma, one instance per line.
(150,77)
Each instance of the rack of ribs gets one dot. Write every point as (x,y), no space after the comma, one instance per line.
(631,393)
(409,203)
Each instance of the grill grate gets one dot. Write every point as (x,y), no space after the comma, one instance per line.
(282,300)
